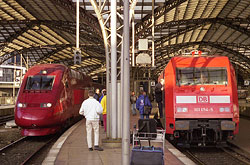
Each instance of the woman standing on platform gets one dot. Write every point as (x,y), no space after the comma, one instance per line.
(104,113)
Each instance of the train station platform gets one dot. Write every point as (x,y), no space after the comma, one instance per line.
(6,110)
(71,148)
(6,107)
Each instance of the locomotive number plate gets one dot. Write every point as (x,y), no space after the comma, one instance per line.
(203,109)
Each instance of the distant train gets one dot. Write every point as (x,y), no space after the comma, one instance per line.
(50,98)
(201,102)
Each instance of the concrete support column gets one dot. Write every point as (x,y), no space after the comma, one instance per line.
(126,88)
(113,71)
(133,41)
(119,110)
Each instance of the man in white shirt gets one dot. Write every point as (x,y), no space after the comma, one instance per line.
(91,109)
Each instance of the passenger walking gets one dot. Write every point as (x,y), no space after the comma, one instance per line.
(142,103)
(91,109)
(104,113)
(158,95)
(133,102)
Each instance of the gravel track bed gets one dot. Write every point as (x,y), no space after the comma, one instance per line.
(22,150)
(9,135)
(215,156)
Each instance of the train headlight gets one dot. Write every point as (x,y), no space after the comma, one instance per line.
(21,105)
(43,71)
(184,109)
(202,89)
(227,109)
(49,104)
(46,105)
(222,109)
(179,109)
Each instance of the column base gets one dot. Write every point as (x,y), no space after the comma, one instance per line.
(112,143)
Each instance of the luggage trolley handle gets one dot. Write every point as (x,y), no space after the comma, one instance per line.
(136,136)
(149,143)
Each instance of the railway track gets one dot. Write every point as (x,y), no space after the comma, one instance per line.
(217,156)
(23,150)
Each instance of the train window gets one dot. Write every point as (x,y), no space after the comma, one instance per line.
(40,83)
(185,76)
(203,75)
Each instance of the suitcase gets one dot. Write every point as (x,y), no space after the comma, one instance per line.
(147,128)
(147,155)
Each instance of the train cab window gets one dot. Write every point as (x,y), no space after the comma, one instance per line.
(203,75)
(185,76)
(40,83)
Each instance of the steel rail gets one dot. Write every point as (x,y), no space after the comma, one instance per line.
(224,153)
(36,146)
(37,151)
(240,154)
(11,144)
(194,158)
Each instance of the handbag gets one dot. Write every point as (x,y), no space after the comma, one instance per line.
(147,109)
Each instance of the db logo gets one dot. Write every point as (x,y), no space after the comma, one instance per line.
(202,99)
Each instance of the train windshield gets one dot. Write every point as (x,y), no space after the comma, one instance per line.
(203,75)
(40,83)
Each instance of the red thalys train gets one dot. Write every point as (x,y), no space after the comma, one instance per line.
(201,102)
(50,98)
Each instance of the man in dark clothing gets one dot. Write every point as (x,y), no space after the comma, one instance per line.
(97,94)
(158,95)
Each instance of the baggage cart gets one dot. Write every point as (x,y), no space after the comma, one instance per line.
(147,155)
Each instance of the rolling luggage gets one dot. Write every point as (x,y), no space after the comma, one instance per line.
(149,155)
(147,128)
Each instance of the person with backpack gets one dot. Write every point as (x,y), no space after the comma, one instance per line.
(144,105)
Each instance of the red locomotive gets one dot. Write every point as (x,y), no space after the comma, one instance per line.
(49,98)
(201,102)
